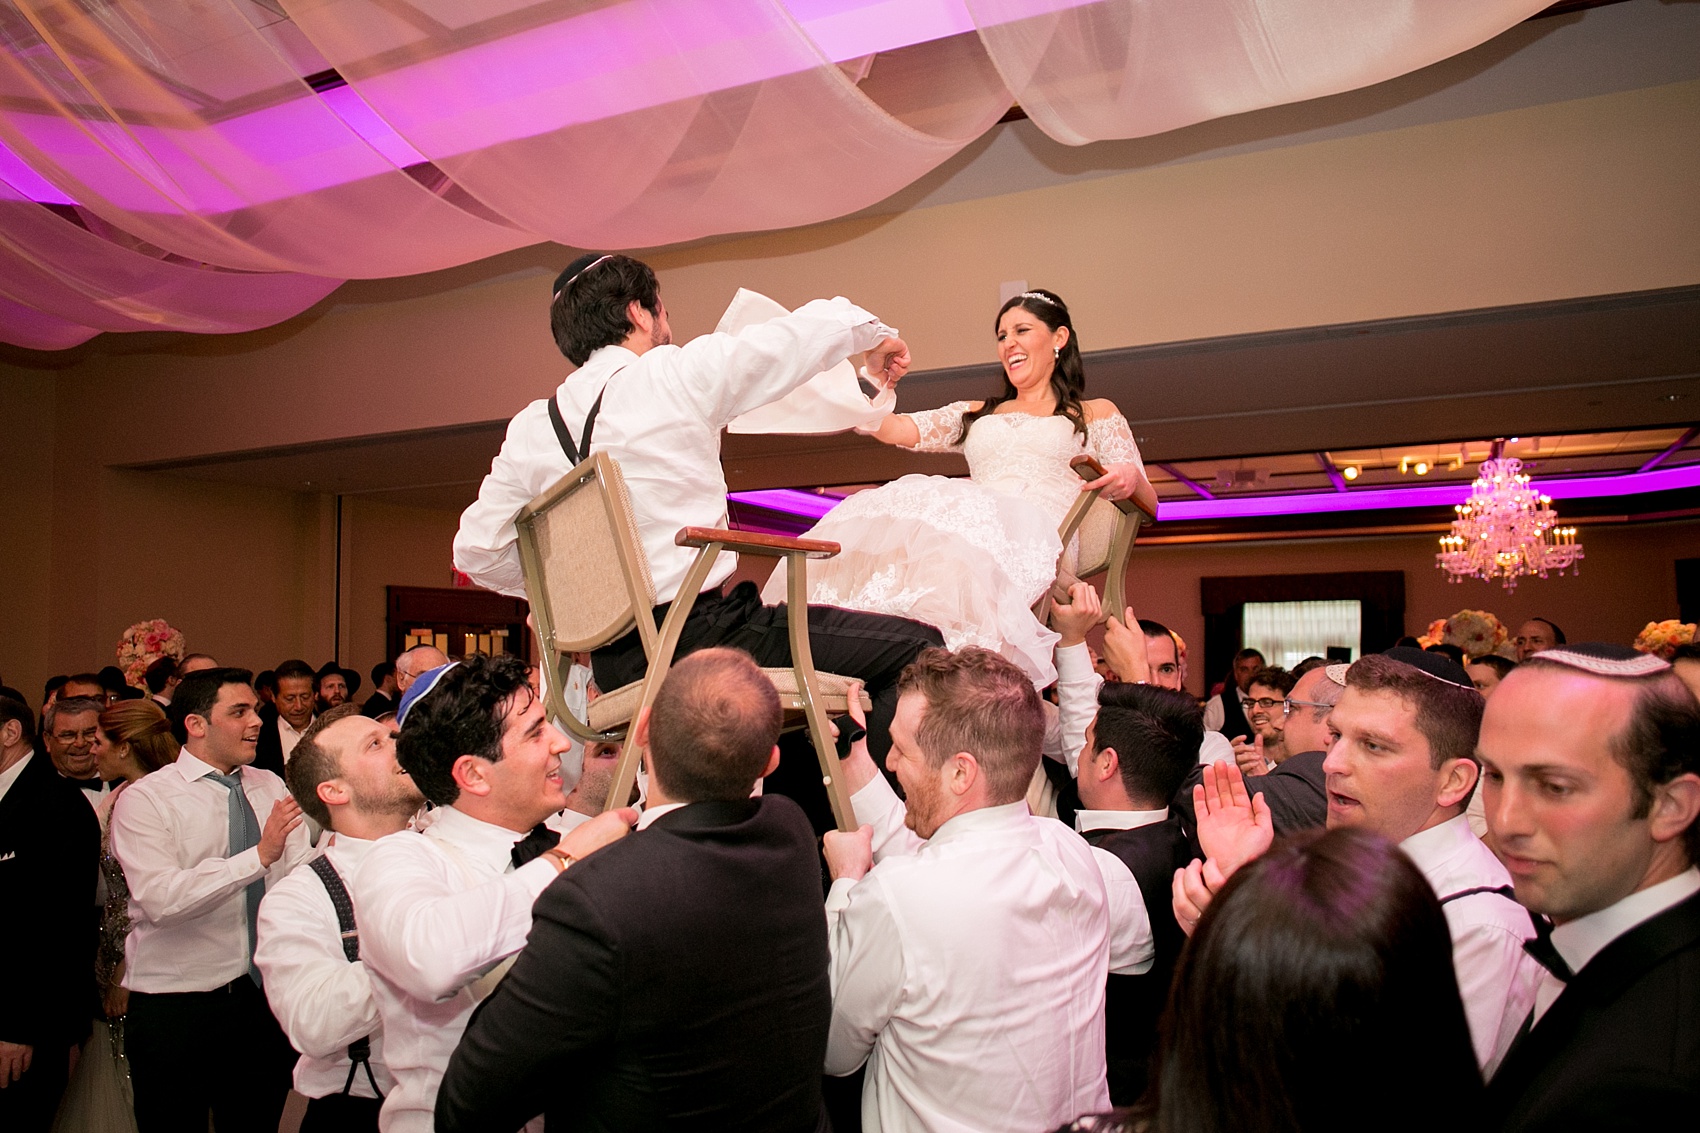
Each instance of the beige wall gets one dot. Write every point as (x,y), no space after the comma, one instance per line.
(26,526)
(1627,580)
(386,545)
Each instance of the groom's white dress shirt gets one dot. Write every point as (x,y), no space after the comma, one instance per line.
(661,417)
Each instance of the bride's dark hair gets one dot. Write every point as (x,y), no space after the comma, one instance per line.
(1068,376)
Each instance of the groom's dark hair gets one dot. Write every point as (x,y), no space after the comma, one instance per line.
(591,297)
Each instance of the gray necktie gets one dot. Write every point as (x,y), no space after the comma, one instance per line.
(244,832)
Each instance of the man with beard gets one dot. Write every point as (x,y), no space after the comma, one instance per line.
(198,860)
(345,776)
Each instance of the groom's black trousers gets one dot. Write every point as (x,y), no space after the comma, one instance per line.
(873,648)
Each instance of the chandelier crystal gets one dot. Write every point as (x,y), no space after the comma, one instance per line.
(1506,530)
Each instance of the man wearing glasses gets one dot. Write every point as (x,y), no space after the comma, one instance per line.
(69,725)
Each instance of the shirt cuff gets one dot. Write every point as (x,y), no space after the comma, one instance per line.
(874,801)
(535,875)
(1074,663)
(247,865)
(838,897)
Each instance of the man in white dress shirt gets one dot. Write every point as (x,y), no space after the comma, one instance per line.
(1404,767)
(440,911)
(659,410)
(197,859)
(970,940)
(345,776)
(1591,761)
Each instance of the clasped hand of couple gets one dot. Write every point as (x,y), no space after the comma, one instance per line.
(1234,827)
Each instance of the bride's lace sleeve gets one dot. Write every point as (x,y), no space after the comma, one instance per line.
(938,428)
(1111,441)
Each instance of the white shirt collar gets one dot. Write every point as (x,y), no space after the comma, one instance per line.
(1085,820)
(285,727)
(494,844)
(1427,848)
(655,812)
(192,768)
(10,775)
(1580,940)
(346,852)
(982,818)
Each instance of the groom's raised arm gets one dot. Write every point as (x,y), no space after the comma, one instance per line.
(729,374)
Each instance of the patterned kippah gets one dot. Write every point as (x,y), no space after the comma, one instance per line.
(1436,665)
(1337,674)
(420,689)
(1605,660)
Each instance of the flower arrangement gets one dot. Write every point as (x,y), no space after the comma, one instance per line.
(1476,632)
(1662,638)
(143,644)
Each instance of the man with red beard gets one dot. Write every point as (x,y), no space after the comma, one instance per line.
(197,860)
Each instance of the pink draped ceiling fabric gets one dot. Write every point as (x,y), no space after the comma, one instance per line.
(222,165)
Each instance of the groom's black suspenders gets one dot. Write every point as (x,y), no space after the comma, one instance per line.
(580,451)
(360,1050)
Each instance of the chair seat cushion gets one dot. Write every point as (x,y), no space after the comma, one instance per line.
(615,709)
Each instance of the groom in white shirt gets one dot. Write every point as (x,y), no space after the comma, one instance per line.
(659,410)
(441,911)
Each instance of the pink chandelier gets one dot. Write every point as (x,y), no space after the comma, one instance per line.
(1506,530)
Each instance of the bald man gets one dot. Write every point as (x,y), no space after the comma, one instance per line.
(412,662)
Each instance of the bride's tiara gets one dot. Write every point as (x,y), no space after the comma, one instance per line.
(1041,296)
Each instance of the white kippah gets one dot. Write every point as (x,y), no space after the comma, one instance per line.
(1337,674)
(1640,665)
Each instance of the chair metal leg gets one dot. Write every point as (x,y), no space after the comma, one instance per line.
(803,665)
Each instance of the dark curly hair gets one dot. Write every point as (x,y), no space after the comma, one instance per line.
(465,714)
(1068,376)
(591,297)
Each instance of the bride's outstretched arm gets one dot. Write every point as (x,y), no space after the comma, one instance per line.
(931,430)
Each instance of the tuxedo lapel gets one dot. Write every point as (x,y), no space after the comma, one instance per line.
(1600,982)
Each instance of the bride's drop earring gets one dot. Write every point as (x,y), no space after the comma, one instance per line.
(1056,352)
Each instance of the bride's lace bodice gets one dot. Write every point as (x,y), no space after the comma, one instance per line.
(1022,455)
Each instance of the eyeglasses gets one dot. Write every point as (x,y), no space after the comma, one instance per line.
(1289,704)
(1264,702)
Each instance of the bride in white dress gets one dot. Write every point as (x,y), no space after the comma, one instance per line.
(972,556)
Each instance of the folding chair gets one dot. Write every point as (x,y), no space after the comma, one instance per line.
(589,583)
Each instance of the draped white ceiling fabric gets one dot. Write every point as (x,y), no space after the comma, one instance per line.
(220,165)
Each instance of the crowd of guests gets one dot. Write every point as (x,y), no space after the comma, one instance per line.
(425,923)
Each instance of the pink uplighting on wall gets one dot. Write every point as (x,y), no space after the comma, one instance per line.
(810,505)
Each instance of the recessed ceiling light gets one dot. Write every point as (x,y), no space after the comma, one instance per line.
(1350,472)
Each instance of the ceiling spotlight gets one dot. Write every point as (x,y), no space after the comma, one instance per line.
(1514,440)
(1351,471)
(1422,468)
(1404,465)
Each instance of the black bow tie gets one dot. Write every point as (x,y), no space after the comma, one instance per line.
(92,786)
(535,845)
(1547,956)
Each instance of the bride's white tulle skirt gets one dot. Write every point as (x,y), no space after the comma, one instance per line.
(947,552)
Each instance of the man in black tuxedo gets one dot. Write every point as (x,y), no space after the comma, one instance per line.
(1138,749)
(291,715)
(49,858)
(1296,790)
(1591,780)
(678,978)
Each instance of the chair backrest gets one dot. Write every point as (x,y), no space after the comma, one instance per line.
(1096,534)
(586,574)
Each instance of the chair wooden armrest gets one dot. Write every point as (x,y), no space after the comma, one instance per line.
(1144,497)
(755,543)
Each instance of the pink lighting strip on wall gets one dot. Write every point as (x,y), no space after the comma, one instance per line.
(809,505)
